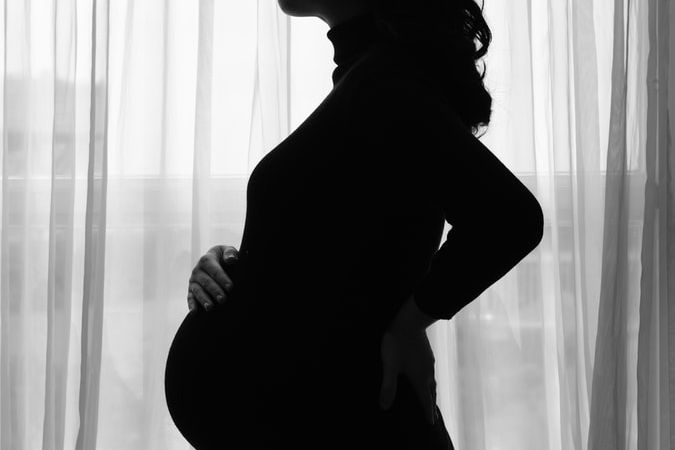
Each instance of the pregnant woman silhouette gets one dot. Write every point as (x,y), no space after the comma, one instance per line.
(320,340)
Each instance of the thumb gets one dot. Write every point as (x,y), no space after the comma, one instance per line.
(388,390)
(229,255)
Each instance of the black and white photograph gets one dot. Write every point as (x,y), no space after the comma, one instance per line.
(337,225)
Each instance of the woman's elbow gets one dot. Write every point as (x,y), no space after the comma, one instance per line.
(523,229)
(533,224)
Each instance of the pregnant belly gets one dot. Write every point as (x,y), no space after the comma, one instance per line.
(239,378)
(227,369)
(207,374)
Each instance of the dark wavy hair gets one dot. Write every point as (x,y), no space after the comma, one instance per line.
(442,35)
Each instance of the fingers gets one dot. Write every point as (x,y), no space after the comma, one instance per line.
(223,283)
(388,390)
(414,359)
(192,303)
(230,254)
(425,392)
(209,282)
(212,290)
(225,253)
(200,295)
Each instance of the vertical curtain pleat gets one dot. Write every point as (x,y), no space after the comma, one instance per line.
(649,343)
(555,356)
(95,232)
(656,355)
(157,242)
(471,418)
(545,49)
(564,147)
(608,402)
(62,205)
(16,153)
(667,269)
(128,35)
(201,172)
(586,194)
(270,121)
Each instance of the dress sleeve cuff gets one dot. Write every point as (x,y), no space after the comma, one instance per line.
(430,302)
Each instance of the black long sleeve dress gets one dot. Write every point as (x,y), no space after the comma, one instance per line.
(343,223)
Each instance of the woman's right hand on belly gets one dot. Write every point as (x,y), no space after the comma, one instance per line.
(209,282)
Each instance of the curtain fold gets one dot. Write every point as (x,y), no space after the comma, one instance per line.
(13,367)
(201,172)
(270,117)
(95,232)
(129,130)
(609,408)
(61,224)
(656,384)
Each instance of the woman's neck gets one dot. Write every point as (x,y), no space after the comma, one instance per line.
(351,39)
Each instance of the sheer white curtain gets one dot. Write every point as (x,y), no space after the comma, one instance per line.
(128,133)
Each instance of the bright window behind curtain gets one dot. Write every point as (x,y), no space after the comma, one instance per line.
(188,96)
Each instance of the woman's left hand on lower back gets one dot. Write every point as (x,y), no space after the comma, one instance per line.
(412,356)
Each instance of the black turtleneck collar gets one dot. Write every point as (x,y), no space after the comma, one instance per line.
(351,39)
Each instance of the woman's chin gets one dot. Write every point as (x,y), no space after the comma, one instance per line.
(297,8)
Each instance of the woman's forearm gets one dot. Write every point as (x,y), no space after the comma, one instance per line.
(410,319)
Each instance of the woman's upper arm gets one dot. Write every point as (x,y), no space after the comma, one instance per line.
(476,189)
(431,146)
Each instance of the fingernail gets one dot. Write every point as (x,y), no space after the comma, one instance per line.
(220,298)
(208,306)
